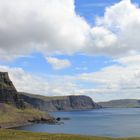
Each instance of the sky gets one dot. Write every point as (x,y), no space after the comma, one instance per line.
(72,47)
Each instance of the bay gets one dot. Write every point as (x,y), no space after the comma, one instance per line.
(120,122)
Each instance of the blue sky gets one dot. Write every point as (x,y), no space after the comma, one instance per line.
(87,50)
(36,63)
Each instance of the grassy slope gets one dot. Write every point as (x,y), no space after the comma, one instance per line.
(124,103)
(47,98)
(10,115)
(22,135)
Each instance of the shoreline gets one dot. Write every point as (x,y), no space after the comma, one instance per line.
(13,125)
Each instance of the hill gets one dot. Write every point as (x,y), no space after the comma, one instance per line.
(123,103)
(59,103)
(11,116)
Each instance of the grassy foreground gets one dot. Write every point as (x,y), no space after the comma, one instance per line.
(11,116)
(6,134)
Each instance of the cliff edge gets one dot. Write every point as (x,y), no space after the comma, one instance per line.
(60,103)
(8,93)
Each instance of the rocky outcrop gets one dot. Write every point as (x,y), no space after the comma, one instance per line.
(8,93)
(12,105)
(64,103)
(10,116)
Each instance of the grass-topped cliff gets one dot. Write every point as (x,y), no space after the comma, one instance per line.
(59,103)
(21,108)
(123,103)
(14,111)
(11,116)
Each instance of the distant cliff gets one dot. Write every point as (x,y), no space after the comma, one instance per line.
(63,103)
(8,93)
(124,103)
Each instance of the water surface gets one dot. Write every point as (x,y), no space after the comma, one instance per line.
(102,122)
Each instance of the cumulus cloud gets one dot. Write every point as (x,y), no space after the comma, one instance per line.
(58,64)
(45,26)
(116,81)
(54,27)
(122,25)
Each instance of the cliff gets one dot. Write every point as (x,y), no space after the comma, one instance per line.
(123,103)
(63,103)
(8,93)
(14,111)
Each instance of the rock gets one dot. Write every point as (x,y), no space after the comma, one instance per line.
(43,120)
(58,119)
(8,93)
(64,103)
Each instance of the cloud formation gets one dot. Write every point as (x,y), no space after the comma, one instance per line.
(58,64)
(112,82)
(122,25)
(53,27)
(46,26)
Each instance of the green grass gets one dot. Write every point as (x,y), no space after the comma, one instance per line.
(11,116)
(46,98)
(22,135)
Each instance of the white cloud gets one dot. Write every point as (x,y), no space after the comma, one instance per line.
(116,81)
(112,82)
(45,85)
(45,26)
(58,64)
(54,27)
(129,60)
(122,25)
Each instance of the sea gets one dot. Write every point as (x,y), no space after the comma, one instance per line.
(109,122)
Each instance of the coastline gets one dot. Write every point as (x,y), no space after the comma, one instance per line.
(13,125)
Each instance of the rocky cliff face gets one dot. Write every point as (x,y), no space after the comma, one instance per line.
(65,103)
(8,93)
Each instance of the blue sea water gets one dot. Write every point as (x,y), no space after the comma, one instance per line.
(124,122)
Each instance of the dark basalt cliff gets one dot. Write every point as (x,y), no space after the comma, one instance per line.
(8,93)
(64,103)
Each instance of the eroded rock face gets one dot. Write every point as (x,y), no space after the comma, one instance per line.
(8,93)
(65,103)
